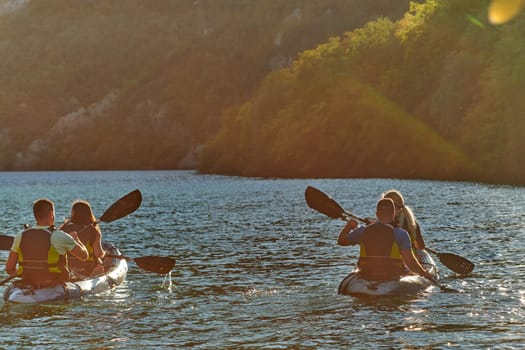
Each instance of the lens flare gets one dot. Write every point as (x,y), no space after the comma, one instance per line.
(502,11)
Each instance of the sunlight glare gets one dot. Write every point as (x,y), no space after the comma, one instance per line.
(522,297)
(502,11)
(167,278)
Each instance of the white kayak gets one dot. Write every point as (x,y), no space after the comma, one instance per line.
(116,271)
(410,284)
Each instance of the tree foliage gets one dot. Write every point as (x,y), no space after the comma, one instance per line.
(175,66)
(435,94)
(331,88)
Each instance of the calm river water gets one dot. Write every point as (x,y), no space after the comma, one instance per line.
(257,269)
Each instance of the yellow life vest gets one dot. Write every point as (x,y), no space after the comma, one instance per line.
(380,256)
(38,261)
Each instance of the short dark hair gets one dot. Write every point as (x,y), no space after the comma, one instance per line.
(385,205)
(42,208)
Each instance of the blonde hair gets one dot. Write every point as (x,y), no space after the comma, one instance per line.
(409,217)
(405,213)
(396,196)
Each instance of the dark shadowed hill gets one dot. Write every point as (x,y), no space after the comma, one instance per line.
(100,84)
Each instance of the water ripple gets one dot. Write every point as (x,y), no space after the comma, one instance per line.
(257,269)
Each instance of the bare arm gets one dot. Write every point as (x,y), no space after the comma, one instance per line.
(343,235)
(79,250)
(98,251)
(410,260)
(10,265)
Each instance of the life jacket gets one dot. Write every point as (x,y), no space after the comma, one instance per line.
(38,261)
(380,257)
(86,236)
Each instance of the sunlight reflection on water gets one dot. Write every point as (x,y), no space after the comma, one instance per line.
(256,268)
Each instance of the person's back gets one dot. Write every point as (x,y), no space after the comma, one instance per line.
(39,262)
(385,249)
(87,235)
(380,258)
(84,222)
(40,251)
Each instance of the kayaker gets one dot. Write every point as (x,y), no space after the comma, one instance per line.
(385,251)
(85,224)
(40,251)
(405,219)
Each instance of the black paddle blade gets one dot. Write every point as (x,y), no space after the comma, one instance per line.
(456,263)
(323,203)
(6,242)
(124,206)
(158,264)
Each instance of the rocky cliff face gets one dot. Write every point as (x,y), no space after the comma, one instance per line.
(135,84)
(10,6)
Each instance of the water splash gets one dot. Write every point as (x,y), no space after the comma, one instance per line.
(167,282)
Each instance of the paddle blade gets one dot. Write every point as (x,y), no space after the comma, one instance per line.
(158,264)
(456,263)
(6,242)
(321,202)
(124,206)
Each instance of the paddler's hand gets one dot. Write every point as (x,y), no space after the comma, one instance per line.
(352,224)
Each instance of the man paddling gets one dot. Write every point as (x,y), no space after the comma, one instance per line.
(40,251)
(385,250)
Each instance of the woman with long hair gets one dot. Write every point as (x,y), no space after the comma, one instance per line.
(405,218)
(85,224)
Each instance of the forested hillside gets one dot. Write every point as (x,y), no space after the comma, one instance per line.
(295,88)
(106,84)
(437,94)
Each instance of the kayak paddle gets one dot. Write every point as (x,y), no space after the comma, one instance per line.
(127,205)
(122,207)
(454,262)
(323,203)
(318,200)
(6,242)
(158,264)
